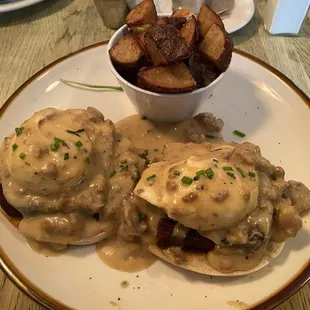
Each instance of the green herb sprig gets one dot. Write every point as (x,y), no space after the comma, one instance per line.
(92,85)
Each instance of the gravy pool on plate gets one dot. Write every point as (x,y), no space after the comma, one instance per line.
(73,176)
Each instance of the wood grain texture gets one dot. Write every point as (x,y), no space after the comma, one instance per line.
(35,36)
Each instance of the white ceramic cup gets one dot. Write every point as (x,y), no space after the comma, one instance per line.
(160,107)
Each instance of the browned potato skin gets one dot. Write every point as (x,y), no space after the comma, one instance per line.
(126,46)
(189,32)
(217,47)
(182,13)
(165,45)
(138,34)
(143,13)
(162,21)
(202,69)
(170,79)
(206,18)
(177,22)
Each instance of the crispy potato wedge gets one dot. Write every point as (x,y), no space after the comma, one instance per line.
(206,18)
(189,32)
(139,37)
(170,79)
(203,71)
(162,21)
(217,47)
(126,53)
(182,13)
(143,13)
(138,33)
(177,22)
(165,44)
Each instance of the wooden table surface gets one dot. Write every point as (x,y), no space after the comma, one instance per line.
(33,37)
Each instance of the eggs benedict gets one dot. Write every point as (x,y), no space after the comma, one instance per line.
(220,207)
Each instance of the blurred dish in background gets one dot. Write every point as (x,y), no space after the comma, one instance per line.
(6,6)
(239,12)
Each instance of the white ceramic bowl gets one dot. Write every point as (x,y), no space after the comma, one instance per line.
(160,107)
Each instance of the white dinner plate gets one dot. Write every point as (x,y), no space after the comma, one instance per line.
(241,14)
(17,4)
(253,98)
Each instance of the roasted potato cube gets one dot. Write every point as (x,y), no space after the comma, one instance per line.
(182,13)
(177,22)
(202,69)
(170,79)
(206,18)
(189,32)
(143,13)
(126,53)
(138,33)
(217,47)
(165,45)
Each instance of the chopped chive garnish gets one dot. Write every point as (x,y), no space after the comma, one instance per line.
(144,154)
(66,156)
(79,144)
(209,173)
(252,174)
(19,131)
(22,155)
(58,140)
(228,169)
(241,172)
(123,165)
(14,147)
(151,177)
(140,29)
(215,160)
(239,133)
(142,216)
(176,172)
(209,136)
(200,173)
(231,174)
(138,175)
(54,147)
(56,144)
(143,117)
(112,174)
(87,160)
(187,180)
(75,132)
